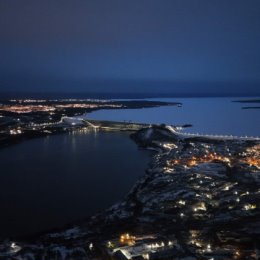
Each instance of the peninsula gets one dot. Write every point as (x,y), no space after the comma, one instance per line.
(199,199)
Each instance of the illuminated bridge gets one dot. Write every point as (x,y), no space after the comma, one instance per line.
(211,136)
(131,126)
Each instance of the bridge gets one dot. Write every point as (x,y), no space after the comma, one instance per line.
(131,126)
(211,136)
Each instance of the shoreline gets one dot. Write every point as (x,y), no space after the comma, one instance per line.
(139,209)
(194,190)
(22,126)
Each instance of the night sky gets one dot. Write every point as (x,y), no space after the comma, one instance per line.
(179,47)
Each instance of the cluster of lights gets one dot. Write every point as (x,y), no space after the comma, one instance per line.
(130,249)
(254,161)
(170,146)
(57,100)
(249,206)
(197,242)
(43,124)
(161,244)
(193,161)
(15,131)
(28,100)
(21,109)
(253,156)
(87,106)
(127,239)
(201,206)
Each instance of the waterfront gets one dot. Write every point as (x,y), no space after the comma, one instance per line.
(199,199)
(51,181)
(207,115)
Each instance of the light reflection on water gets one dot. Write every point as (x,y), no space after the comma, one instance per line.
(48,182)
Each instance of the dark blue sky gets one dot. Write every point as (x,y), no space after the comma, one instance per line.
(184,46)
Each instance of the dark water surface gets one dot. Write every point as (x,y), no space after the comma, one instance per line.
(51,181)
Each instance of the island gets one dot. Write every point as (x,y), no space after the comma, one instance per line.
(249,101)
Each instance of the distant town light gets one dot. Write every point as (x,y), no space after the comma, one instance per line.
(249,206)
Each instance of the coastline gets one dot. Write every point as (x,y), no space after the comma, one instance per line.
(31,123)
(140,211)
